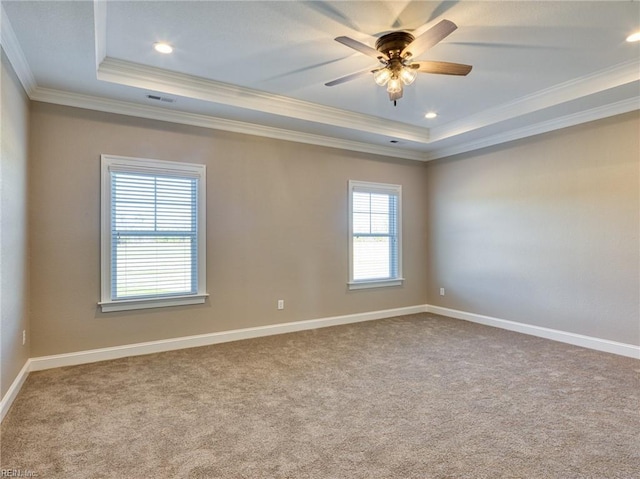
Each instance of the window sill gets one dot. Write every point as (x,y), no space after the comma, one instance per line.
(129,304)
(375,283)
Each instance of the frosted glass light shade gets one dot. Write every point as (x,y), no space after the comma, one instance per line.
(394,85)
(408,75)
(381,77)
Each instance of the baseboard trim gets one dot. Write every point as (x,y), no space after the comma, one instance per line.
(104,354)
(14,389)
(589,342)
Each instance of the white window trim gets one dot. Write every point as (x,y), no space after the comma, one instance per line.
(383,188)
(122,163)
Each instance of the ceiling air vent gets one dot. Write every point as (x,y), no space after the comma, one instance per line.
(165,99)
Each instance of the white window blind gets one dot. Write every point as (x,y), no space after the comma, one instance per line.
(375,248)
(154,233)
(153,242)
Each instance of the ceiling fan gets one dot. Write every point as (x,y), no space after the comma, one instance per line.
(395,52)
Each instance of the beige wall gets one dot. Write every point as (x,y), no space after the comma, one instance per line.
(13,227)
(276,229)
(543,231)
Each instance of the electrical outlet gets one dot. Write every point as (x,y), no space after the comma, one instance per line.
(281,304)
(441,291)
(24,337)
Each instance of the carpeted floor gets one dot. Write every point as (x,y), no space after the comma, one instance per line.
(418,396)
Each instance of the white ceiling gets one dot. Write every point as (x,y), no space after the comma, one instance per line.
(260,67)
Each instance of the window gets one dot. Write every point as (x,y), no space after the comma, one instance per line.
(375,249)
(152,233)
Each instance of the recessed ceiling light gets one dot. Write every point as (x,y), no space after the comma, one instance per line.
(431,115)
(162,47)
(634,37)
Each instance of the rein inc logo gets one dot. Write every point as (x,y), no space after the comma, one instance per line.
(17,473)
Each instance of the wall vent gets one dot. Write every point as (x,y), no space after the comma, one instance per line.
(165,99)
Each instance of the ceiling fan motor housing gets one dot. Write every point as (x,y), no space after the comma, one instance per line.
(393,43)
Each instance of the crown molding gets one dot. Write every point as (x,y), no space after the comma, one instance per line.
(14,52)
(100,30)
(156,113)
(599,81)
(618,108)
(157,79)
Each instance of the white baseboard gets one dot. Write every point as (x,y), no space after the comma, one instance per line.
(14,389)
(590,342)
(94,355)
(104,354)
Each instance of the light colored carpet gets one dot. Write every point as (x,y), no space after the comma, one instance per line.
(418,396)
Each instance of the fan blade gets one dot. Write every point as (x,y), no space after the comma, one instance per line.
(347,78)
(361,47)
(442,68)
(428,39)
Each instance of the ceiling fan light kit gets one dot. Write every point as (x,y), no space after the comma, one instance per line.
(395,52)
(381,76)
(408,75)
(394,86)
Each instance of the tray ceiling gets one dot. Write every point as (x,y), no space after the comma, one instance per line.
(260,67)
